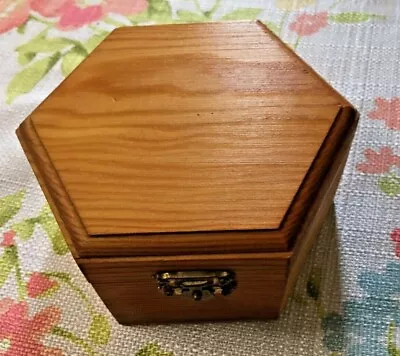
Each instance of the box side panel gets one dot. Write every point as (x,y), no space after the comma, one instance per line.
(317,174)
(127,287)
(60,204)
(317,213)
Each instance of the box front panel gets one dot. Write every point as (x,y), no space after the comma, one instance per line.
(128,287)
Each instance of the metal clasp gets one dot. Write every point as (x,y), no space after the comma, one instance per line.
(198,285)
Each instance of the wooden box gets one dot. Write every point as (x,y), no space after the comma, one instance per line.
(190,168)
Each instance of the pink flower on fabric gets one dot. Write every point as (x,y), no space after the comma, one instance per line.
(8,239)
(48,8)
(125,7)
(378,162)
(308,24)
(21,334)
(71,14)
(74,16)
(39,285)
(13,14)
(395,236)
(388,111)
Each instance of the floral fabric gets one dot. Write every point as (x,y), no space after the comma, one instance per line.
(346,301)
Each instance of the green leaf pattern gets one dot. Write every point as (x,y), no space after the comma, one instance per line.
(390,185)
(24,81)
(24,229)
(49,225)
(44,45)
(72,59)
(393,348)
(94,41)
(272,26)
(153,350)
(99,330)
(353,17)
(9,206)
(160,11)
(8,261)
(25,57)
(242,14)
(45,219)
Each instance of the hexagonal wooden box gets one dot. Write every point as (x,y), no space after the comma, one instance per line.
(190,167)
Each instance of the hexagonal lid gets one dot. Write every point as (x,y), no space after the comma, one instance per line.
(174,135)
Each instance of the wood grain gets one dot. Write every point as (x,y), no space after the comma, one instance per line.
(186,158)
(56,195)
(127,288)
(203,146)
(317,213)
(185,145)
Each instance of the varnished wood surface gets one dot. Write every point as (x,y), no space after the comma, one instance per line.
(265,281)
(241,241)
(127,287)
(200,141)
(170,131)
(106,158)
(342,128)
(317,213)
(67,218)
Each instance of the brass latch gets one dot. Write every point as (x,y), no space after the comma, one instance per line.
(198,285)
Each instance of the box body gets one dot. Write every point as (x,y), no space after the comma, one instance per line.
(192,178)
